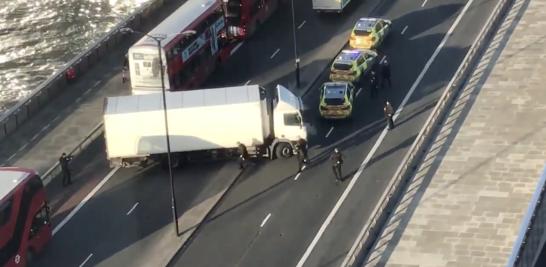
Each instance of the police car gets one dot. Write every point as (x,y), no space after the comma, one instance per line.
(351,65)
(336,100)
(369,33)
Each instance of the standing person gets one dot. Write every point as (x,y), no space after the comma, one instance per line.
(243,155)
(373,84)
(63,161)
(385,73)
(302,153)
(123,74)
(388,110)
(337,161)
(125,68)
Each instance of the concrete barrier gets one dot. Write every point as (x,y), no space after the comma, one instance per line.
(372,230)
(56,84)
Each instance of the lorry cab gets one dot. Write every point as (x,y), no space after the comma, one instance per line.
(287,118)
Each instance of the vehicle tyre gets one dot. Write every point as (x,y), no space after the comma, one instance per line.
(283,150)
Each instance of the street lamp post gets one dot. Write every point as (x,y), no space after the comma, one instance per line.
(158,40)
(296,58)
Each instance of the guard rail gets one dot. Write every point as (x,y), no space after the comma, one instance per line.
(47,90)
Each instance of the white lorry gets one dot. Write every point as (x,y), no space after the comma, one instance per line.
(202,123)
(330,5)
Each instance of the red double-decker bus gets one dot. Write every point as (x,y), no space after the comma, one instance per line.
(244,16)
(190,58)
(25,227)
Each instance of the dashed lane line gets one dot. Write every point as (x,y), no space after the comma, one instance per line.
(86,260)
(275,53)
(301,25)
(236,48)
(329,132)
(265,220)
(404,30)
(133,208)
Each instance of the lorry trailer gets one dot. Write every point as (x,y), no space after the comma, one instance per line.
(203,123)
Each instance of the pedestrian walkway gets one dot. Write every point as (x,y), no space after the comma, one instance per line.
(466,202)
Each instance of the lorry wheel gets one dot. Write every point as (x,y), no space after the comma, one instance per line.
(283,150)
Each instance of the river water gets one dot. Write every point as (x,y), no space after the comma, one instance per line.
(37,37)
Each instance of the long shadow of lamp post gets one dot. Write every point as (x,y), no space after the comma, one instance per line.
(158,38)
(296,57)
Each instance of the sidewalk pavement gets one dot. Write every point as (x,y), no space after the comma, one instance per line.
(465,204)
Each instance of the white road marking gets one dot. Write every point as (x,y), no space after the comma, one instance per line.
(14,154)
(86,259)
(329,132)
(96,84)
(301,25)
(133,208)
(424,3)
(382,59)
(23,147)
(82,203)
(265,220)
(87,91)
(247,82)
(35,136)
(297,176)
(78,99)
(45,128)
(404,30)
(275,53)
(380,140)
(359,90)
(236,48)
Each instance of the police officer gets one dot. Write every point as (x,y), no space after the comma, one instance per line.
(243,155)
(63,161)
(385,73)
(337,161)
(374,85)
(388,110)
(302,153)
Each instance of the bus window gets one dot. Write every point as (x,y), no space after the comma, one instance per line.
(5,211)
(41,219)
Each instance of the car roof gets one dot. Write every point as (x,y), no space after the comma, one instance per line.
(365,24)
(335,89)
(348,55)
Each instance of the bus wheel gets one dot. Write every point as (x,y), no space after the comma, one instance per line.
(283,150)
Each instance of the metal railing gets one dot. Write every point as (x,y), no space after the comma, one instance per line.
(531,237)
(55,170)
(372,230)
(47,90)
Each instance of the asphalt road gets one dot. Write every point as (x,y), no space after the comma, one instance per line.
(233,235)
(118,233)
(269,219)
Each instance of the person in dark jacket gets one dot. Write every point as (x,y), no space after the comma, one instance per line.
(302,153)
(337,161)
(385,73)
(388,110)
(243,155)
(64,161)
